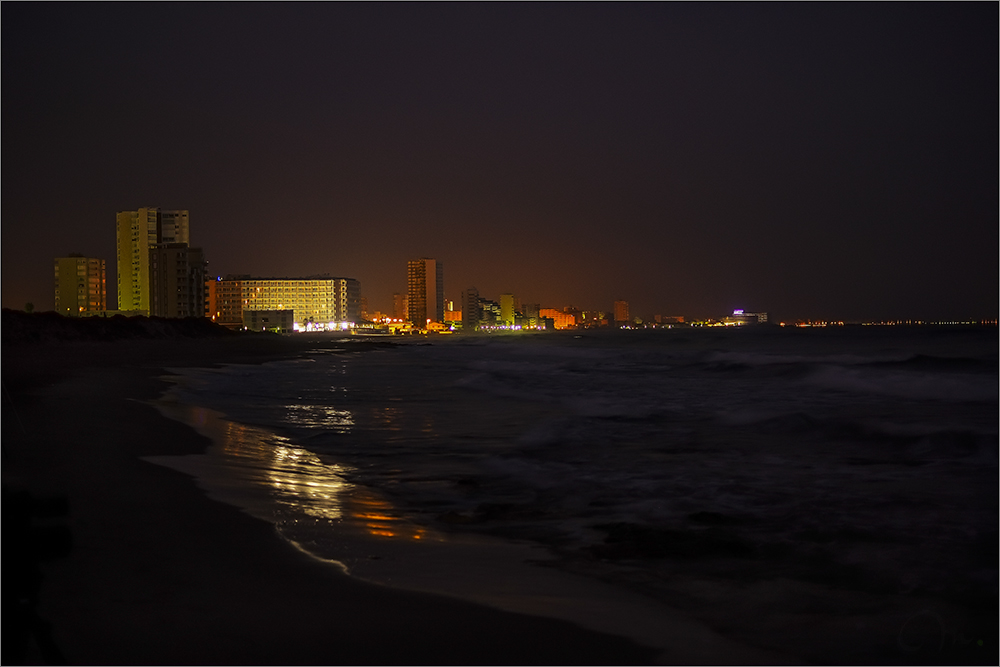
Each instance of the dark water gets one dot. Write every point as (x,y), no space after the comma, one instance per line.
(758,479)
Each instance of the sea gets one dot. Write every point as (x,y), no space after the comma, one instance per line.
(809,494)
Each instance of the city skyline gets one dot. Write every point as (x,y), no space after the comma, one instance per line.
(171,229)
(150,236)
(811,161)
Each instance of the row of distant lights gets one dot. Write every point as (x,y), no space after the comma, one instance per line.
(323,326)
(508,327)
(905,322)
(346,326)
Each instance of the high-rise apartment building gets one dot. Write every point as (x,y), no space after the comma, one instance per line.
(471,312)
(508,307)
(176,280)
(139,232)
(81,285)
(174,227)
(425,289)
(621,311)
(317,302)
(400,302)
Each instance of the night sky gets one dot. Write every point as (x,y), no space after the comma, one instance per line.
(811,160)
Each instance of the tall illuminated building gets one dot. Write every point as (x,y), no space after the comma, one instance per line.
(137,233)
(507,308)
(81,285)
(425,291)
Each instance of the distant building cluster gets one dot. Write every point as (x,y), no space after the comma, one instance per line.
(159,273)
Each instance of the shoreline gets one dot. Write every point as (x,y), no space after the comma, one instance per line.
(158,573)
(241,468)
(821,618)
(178,545)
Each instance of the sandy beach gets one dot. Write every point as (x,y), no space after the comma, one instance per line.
(159,574)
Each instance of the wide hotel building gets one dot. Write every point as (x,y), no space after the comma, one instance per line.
(317,303)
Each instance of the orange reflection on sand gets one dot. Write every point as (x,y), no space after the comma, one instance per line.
(379,517)
(298,479)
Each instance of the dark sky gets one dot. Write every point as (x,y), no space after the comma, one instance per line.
(812,160)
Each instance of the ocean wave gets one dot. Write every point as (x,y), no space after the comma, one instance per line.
(928,362)
(772,359)
(911,385)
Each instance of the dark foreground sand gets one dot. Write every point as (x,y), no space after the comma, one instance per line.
(159,574)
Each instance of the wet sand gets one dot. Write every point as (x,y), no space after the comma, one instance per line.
(160,574)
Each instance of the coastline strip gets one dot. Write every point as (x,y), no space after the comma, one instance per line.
(160,574)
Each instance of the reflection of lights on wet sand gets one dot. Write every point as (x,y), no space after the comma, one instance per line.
(318,416)
(298,480)
(378,517)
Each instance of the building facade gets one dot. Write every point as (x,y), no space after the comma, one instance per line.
(508,309)
(560,319)
(176,280)
(400,306)
(489,313)
(317,302)
(80,284)
(173,227)
(425,291)
(621,312)
(225,301)
(276,321)
(471,313)
(138,232)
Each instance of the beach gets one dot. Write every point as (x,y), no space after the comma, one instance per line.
(160,574)
(220,536)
